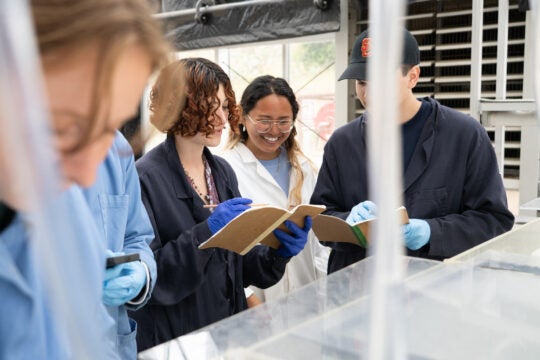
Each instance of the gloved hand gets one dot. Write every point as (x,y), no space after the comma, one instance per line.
(416,233)
(292,244)
(363,211)
(225,212)
(123,282)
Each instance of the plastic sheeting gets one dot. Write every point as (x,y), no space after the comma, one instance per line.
(310,309)
(385,335)
(482,304)
(249,22)
(28,164)
(485,308)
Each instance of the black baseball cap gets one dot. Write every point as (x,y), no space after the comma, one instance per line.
(357,68)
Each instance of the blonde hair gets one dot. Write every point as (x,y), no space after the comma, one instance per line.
(259,88)
(63,27)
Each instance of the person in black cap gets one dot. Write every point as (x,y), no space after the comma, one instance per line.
(453,191)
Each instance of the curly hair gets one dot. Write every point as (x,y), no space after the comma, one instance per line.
(190,107)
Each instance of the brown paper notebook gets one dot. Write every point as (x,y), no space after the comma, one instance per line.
(331,228)
(256,225)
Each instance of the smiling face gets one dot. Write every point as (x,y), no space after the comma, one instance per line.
(70,87)
(272,107)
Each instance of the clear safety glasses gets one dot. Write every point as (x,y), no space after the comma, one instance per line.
(264,125)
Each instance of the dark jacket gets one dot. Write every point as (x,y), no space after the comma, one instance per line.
(194,287)
(452,182)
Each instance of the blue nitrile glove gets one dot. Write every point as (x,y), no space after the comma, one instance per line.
(416,233)
(225,212)
(292,244)
(363,211)
(123,282)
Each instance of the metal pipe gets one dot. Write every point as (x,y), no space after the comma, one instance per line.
(476,57)
(214,8)
(502,50)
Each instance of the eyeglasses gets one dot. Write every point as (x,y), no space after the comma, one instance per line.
(265,125)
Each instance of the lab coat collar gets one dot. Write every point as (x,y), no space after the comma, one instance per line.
(247,156)
(181,187)
(422,154)
(180,183)
(8,270)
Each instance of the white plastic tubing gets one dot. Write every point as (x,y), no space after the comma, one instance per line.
(25,137)
(386,328)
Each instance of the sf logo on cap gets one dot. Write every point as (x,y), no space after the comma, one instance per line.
(366,51)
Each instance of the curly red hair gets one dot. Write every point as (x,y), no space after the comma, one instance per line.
(202,78)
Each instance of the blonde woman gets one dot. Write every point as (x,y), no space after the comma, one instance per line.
(96,57)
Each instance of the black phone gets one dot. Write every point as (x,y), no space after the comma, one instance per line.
(120,259)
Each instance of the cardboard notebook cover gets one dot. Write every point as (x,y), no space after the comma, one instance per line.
(256,225)
(331,228)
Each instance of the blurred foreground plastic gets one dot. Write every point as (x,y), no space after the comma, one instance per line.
(483,308)
(30,167)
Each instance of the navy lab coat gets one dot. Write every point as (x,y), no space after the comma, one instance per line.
(194,287)
(452,182)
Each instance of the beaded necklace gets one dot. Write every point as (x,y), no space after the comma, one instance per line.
(205,197)
(211,196)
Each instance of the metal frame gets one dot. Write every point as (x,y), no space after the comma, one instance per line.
(476,57)
(213,8)
(502,112)
(502,50)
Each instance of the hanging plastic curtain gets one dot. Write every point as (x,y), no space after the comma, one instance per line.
(386,322)
(208,23)
(67,256)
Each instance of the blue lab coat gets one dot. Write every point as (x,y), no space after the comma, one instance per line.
(28,327)
(115,202)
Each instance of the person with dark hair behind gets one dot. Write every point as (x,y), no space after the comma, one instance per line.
(197,287)
(133,134)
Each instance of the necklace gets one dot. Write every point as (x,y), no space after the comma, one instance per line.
(211,197)
(205,197)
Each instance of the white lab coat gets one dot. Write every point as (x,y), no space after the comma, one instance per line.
(256,183)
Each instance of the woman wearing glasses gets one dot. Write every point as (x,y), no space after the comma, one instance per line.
(272,169)
(178,177)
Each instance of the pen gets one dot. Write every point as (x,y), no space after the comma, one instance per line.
(214,206)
